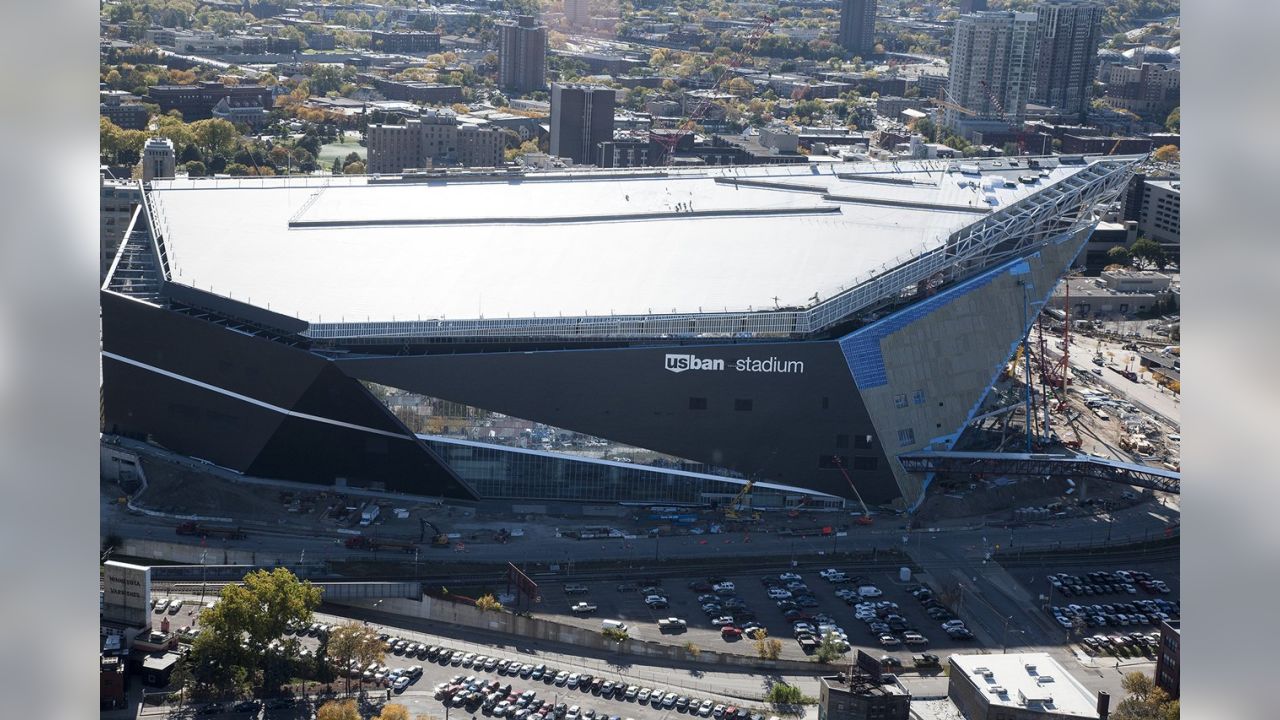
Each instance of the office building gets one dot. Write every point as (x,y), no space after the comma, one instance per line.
(858,26)
(581,119)
(117,201)
(1019,686)
(628,305)
(1068,33)
(196,102)
(857,697)
(435,139)
(993,61)
(126,115)
(522,55)
(1169,657)
(1160,213)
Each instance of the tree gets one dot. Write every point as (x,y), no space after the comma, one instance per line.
(216,136)
(195,168)
(355,168)
(238,629)
(488,603)
(767,648)
(1148,252)
(784,694)
(693,650)
(1173,123)
(394,711)
(1145,701)
(1119,255)
(338,710)
(829,649)
(353,642)
(1167,154)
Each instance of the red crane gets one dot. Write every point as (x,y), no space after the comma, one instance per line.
(668,141)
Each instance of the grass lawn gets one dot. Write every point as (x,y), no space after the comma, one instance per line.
(339,150)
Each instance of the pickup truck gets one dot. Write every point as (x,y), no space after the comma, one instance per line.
(583,608)
(926,660)
(672,625)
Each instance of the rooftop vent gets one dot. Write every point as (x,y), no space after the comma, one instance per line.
(1031,668)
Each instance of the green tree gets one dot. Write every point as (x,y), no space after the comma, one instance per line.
(829,650)
(1148,252)
(1173,123)
(195,168)
(784,694)
(234,646)
(216,136)
(1119,255)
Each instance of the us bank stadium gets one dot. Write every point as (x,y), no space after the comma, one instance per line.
(798,326)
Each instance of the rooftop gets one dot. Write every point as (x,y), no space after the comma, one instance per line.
(1028,680)
(566,243)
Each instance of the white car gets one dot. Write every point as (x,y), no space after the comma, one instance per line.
(779,594)
(573,680)
(889,641)
(869,591)
(789,576)
(162,604)
(400,683)
(724,587)
(643,696)
(950,624)
(705,708)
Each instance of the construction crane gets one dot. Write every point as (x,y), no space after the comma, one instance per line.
(668,141)
(731,510)
(866,514)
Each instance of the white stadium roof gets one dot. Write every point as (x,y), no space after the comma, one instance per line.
(353,249)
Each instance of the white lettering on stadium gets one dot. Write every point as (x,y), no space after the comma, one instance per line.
(771,365)
(680,363)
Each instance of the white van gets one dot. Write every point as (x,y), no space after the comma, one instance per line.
(613,625)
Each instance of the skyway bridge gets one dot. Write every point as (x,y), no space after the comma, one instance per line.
(1077,467)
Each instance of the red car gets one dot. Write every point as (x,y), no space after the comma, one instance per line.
(730,631)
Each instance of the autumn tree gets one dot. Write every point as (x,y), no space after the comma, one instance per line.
(1145,701)
(1167,154)
(394,711)
(339,710)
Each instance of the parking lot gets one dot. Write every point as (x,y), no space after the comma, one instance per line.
(749,602)
(1111,609)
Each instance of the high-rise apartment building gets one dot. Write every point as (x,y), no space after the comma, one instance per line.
(1068,33)
(993,62)
(857,26)
(581,119)
(577,12)
(522,55)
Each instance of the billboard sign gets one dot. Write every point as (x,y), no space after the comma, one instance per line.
(126,594)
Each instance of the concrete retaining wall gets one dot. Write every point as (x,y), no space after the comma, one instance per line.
(453,613)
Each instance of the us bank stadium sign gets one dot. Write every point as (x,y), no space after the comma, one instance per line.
(680,363)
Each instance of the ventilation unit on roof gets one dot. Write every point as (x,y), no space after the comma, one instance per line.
(997,690)
(982,671)
(1044,679)
(1031,668)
